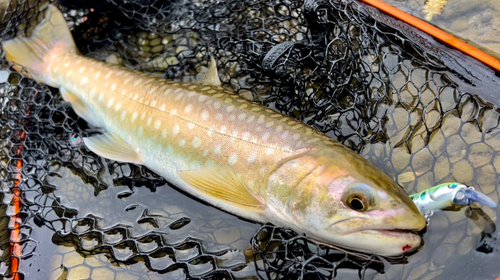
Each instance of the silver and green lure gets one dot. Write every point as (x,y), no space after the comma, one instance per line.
(448,195)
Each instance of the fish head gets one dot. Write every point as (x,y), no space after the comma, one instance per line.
(339,198)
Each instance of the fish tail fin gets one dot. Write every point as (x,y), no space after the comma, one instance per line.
(49,41)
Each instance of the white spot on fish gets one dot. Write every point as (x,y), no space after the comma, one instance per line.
(295,136)
(107,75)
(163,107)
(124,92)
(190,125)
(113,86)
(233,158)
(124,114)
(234,133)
(148,123)
(250,119)
(252,157)
(261,119)
(118,106)
(265,136)
(217,149)
(230,108)
(173,112)
(134,116)
(269,151)
(205,153)
(143,115)
(157,124)
(81,70)
(97,75)
(245,136)
(262,171)
(182,142)
(153,103)
(176,129)
(223,129)
(136,96)
(55,69)
(241,117)
(164,134)
(284,135)
(202,98)
(139,131)
(204,115)
(219,116)
(210,132)
(92,92)
(69,73)
(137,82)
(110,102)
(217,105)
(128,79)
(188,108)
(196,142)
(279,128)
(67,64)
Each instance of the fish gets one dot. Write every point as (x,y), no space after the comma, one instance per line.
(232,153)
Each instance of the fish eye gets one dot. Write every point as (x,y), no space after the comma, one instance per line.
(357,203)
(359,197)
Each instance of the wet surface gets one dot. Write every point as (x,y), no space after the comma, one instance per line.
(93,218)
(476,22)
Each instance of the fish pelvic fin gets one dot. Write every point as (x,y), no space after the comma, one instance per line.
(223,186)
(211,78)
(111,146)
(80,107)
(50,39)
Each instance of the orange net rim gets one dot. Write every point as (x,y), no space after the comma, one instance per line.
(15,232)
(436,33)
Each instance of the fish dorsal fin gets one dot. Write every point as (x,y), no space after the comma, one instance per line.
(80,107)
(221,184)
(111,146)
(211,78)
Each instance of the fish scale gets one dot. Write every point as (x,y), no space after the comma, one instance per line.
(232,153)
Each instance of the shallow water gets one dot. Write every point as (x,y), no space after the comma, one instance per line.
(475,21)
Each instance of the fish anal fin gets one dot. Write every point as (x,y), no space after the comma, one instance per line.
(80,107)
(211,77)
(111,146)
(221,184)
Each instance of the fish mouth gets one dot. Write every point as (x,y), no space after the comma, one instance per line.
(395,232)
(391,232)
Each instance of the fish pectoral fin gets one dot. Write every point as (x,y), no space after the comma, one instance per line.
(111,146)
(211,78)
(79,106)
(221,184)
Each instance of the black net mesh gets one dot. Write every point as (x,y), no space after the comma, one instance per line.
(422,112)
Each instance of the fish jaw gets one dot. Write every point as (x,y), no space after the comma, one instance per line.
(308,193)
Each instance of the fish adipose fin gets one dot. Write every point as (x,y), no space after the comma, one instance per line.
(111,146)
(80,107)
(221,184)
(49,40)
(211,78)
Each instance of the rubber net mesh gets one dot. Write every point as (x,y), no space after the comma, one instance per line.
(404,101)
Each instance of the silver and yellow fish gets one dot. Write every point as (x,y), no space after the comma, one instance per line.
(234,154)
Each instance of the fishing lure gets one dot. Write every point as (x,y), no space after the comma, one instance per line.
(448,195)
